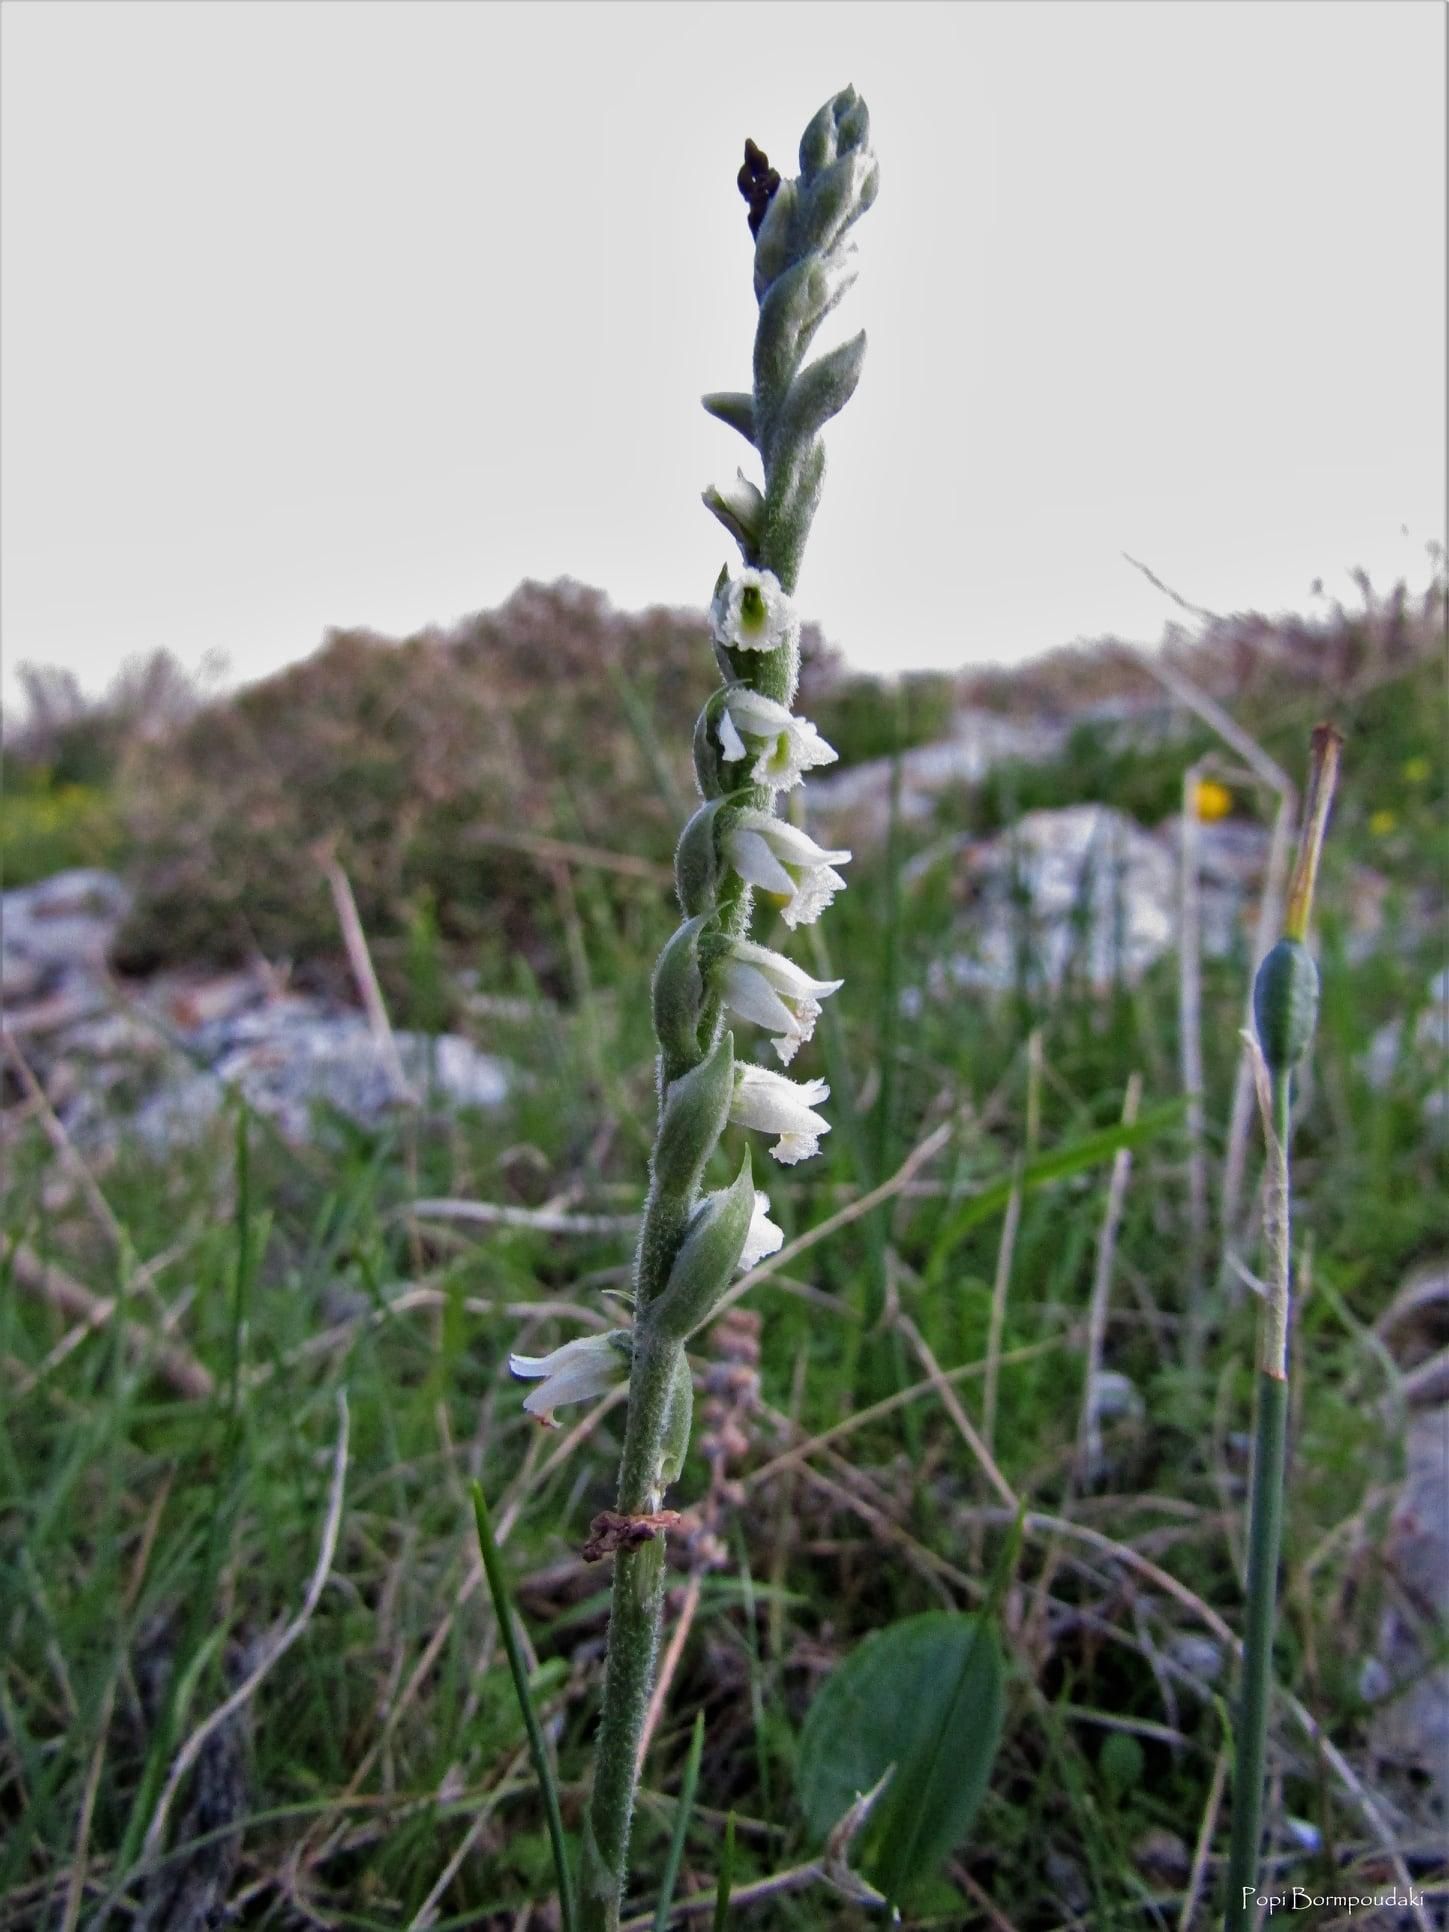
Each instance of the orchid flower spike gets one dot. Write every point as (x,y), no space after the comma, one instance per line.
(779,1106)
(711,976)
(580,1371)
(779,857)
(787,746)
(750,612)
(770,990)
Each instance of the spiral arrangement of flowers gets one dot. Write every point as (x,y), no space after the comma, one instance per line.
(749,749)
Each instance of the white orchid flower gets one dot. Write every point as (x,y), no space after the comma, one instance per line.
(750,612)
(580,1371)
(777,856)
(763,1238)
(740,507)
(779,1106)
(788,746)
(769,990)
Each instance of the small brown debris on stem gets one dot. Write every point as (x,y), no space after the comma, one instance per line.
(612,1531)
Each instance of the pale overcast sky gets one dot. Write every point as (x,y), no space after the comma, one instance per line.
(323,312)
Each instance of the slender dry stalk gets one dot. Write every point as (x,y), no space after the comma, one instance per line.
(359,958)
(1006,1248)
(1089,1433)
(1206,1832)
(950,1402)
(1189,1037)
(61,1141)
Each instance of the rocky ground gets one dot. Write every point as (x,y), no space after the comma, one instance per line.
(153,1059)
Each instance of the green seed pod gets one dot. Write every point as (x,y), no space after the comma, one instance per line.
(678,1417)
(1285,1004)
(679,998)
(696,1107)
(706,1263)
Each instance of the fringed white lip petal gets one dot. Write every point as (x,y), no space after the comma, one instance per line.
(790,1149)
(814,893)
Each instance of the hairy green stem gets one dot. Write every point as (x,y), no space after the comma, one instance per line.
(637,1604)
(634,1624)
(1264,1542)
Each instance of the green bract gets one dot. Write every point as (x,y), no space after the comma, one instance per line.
(696,1106)
(679,998)
(697,865)
(705,1264)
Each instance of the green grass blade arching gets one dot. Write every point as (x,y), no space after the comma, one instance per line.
(542,1764)
(681,1825)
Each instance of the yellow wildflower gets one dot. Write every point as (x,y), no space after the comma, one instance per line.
(1211,801)
(1382,822)
(1416,770)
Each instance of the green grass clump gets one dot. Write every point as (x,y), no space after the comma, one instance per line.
(48,827)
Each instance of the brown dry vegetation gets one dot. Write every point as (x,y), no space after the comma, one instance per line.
(411,758)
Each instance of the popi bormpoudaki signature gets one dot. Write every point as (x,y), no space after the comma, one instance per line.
(1299,1899)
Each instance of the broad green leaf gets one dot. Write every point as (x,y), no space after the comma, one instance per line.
(924,1695)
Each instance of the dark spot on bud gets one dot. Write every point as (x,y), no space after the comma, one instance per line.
(757,181)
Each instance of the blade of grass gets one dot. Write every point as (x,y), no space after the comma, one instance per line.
(547,1783)
(681,1825)
(1060,1164)
(726,1877)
